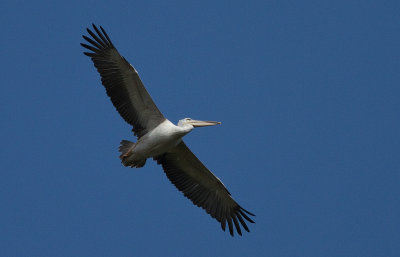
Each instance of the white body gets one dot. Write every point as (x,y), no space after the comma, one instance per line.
(158,141)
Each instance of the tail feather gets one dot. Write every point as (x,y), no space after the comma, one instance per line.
(125,149)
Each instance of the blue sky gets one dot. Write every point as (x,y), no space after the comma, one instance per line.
(307,92)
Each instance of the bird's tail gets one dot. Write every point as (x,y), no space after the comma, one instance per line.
(125,149)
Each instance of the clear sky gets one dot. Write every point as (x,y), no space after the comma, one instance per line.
(308,96)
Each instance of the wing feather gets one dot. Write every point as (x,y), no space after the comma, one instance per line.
(122,83)
(203,188)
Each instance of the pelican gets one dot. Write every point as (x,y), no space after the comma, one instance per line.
(158,138)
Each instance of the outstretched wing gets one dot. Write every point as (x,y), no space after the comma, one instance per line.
(122,83)
(202,187)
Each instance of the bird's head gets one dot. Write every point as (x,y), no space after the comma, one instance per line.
(188,122)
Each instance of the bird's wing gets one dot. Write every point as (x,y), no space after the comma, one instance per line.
(202,187)
(122,83)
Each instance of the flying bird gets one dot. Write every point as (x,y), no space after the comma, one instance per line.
(158,138)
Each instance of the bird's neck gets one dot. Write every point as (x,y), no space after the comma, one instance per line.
(185,128)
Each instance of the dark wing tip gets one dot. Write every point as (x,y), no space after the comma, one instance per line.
(230,226)
(246,211)
(235,221)
(243,223)
(89,54)
(108,38)
(236,218)
(245,216)
(98,40)
(91,48)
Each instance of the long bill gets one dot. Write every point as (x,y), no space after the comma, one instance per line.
(201,123)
